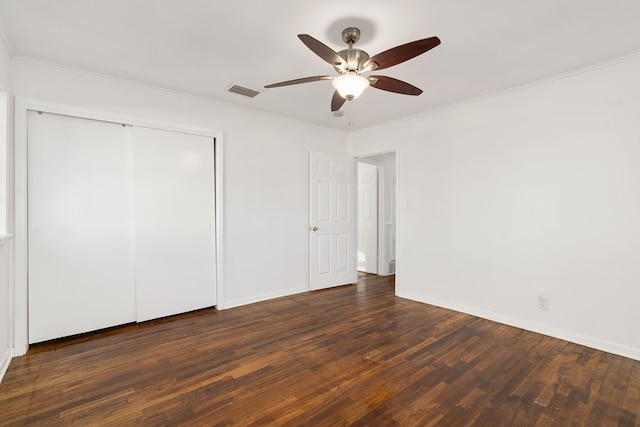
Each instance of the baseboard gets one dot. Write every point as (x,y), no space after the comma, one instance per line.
(4,364)
(563,334)
(264,297)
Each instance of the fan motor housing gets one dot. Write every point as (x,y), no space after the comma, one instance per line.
(354,59)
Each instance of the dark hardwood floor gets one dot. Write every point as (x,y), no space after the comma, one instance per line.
(354,355)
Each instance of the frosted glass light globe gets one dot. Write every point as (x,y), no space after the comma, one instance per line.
(350,86)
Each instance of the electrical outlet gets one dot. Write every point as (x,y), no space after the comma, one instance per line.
(543,303)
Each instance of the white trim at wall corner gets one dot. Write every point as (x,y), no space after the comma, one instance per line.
(585,340)
(219,211)
(20,283)
(4,363)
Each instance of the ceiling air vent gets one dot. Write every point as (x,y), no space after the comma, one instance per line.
(241,90)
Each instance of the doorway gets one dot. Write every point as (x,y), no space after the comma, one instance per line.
(376,188)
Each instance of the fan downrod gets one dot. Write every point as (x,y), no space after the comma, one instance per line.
(353,58)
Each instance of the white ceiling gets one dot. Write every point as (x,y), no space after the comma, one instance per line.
(202,46)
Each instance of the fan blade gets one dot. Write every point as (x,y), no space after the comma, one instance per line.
(298,81)
(322,50)
(393,85)
(337,101)
(401,53)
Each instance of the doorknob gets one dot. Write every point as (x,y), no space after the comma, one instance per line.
(314,228)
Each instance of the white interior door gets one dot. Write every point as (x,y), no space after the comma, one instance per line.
(81,269)
(332,222)
(174,222)
(368,218)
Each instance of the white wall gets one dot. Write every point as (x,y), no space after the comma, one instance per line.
(534,191)
(266,163)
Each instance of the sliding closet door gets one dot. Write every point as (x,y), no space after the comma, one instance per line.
(81,269)
(174,222)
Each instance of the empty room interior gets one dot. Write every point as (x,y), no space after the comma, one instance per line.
(334,213)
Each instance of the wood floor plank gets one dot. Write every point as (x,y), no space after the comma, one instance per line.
(352,355)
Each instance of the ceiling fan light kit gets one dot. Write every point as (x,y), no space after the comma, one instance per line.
(350,86)
(351,63)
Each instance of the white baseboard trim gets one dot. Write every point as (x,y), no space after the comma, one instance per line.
(4,364)
(563,334)
(263,297)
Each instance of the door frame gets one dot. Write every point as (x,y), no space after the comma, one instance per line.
(383,266)
(363,157)
(21,255)
(380,238)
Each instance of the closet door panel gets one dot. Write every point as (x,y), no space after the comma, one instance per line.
(80,226)
(174,222)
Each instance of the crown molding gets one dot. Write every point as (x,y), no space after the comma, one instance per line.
(499,93)
(160,89)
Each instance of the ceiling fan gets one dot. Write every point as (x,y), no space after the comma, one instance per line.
(351,63)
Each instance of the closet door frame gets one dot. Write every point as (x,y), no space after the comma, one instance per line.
(20,295)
